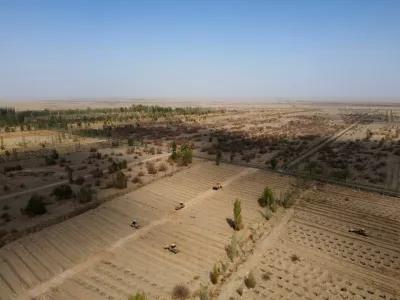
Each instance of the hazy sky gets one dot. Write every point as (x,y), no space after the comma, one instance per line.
(189,48)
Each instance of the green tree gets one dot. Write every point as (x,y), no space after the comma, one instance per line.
(274,163)
(237,215)
(186,155)
(266,198)
(85,194)
(70,178)
(35,206)
(218,157)
(231,249)
(120,181)
(174,154)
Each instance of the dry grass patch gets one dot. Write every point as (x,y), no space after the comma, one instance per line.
(181,292)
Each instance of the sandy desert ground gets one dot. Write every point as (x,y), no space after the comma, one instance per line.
(301,252)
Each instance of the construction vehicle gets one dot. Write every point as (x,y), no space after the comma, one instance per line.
(360,231)
(135,224)
(180,206)
(217,186)
(172,248)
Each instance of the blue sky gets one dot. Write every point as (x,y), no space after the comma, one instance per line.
(206,48)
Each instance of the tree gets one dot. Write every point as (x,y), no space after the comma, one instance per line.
(218,157)
(120,181)
(63,191)
(174,154)
(35,206)
(231,249)
(237,215)
(85,194)
(274,163)
(266,198)
(70,178)
(186,155)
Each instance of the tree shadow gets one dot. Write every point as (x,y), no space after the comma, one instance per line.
(230,222)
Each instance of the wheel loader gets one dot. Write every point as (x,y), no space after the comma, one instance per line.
(360,231)
(172,248)
(217,186)
(180,206)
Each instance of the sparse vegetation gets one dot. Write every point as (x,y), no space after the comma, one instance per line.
(138,296)
(250,281)
(151,169)
(231,249)
(180,292)
(294,257)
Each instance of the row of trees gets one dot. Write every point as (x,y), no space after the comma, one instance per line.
(42,119)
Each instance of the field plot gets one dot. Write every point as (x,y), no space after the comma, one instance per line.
(316,257)
(201,232)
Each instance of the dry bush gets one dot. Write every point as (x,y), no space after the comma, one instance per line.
(239,290)
(180,291)
(250,280)
(266,276)
(151,169)
(141,173)
(294,258)
(136,180)
(3,233)
(163,168)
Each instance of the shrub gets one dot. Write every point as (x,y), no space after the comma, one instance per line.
(130,141)
(6,207)
(250,280)
(3,233)
(231,249)
(268,213)
(22,185)
(136,180)
(294,257)
(186,155)
(120,181)
(54,154)
(266,197)
(49,161)
(79,180)
(6,188)
(274,163)
(92,149)
(138,296)
(214,274)
(36,205)
(237,215)
(141,173)
(129,169)
(12,168)
(85,194)
(63,191)
(266,276)
(97,182)
(239,290)
(97,173)
(151,169)
(180,291)
(163,168)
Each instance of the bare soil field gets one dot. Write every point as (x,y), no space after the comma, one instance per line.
(316,257)
(115,267)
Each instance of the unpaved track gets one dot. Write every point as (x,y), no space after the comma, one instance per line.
(107,253)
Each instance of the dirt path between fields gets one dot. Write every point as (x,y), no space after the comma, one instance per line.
(97,258)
